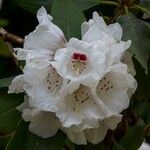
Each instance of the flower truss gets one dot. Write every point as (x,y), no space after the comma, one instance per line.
(79,86)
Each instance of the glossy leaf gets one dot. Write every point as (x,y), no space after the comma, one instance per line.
(132,139)
(5,82)
(68,18)
(145,3)
(138,32)
(9,116)
(34,5)
(143,81)
(28,141)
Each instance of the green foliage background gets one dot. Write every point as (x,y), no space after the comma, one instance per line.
(19,18)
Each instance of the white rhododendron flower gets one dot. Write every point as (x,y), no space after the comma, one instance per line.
(80,105)
(45,39)
(79,86)
(80,64)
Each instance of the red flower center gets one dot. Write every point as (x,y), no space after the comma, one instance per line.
(79,56)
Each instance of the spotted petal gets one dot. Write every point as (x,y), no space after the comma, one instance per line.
(79,106)
(114,86)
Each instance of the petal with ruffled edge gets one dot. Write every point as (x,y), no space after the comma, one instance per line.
(96,135)
(17,85)
(46,35)
(86,26)
(114,86)
(24,105)
(114,52)
(23,54)
(127,59)
(115,31)
(44,83)
(75,135)
(113,121)
(98,30)
(41,123)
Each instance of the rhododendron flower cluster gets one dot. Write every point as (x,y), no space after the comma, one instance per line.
(77,86)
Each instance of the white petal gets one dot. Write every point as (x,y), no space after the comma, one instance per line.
(113,88)
(21,54)
(99,21)
(87,72)
(89,124)
(115,52)
(127,59)
(112,121)
(77,137)
(41,123)
(40,98)
(115,30)
(46,35)
(96,135)
(79,106)
(97,30)
(42,16)
(144,146)
(86,26)
(24,105)
(38,60)
(17,85)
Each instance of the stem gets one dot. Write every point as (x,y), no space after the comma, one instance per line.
(10,37)
(126,10)
(109,3)
(140,8)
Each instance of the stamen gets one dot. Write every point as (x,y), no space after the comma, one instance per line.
(79,62)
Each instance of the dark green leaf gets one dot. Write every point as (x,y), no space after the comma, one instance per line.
(18,137)
(132,140)
(34,5)
(138,32)
(9,116)
(117,146)
(4,140)
(23,138)
(5,82)
(143,110)
(37,143)
(68,16)
(145,3)
(85,4)
(143,80)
